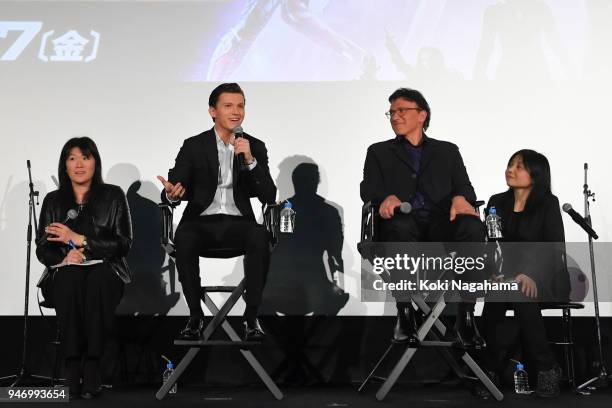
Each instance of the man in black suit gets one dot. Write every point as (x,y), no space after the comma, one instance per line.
(430,175)
(207,173)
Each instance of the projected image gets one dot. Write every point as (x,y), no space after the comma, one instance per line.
(305,40)
(298,15)
(345,40)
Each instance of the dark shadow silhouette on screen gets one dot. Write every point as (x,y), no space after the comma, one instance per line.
(299,281)
(146,294)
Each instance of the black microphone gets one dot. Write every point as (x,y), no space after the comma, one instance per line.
(238,133)
(579,219)
(70,215)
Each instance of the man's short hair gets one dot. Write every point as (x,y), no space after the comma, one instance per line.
(415,96)
(230,87)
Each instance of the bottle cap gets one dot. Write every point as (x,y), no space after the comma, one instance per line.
(287,204)
(170,366)
(492,210)
(519,366)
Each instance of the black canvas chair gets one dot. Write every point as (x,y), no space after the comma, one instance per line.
(219,312)
(430,332)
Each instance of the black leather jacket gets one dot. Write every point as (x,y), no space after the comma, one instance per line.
(109,229)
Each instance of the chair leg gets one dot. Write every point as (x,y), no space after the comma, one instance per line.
(56,360)
(182,366)
(373,372)
(409,353)
(219,319)
(248,355)
(568,339)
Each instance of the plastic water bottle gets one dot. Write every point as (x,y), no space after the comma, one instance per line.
(166,375)
(287,218)
(493,222)
(521,381)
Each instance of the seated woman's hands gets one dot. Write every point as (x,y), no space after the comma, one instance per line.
(528,286)
(75,256)
(61,233)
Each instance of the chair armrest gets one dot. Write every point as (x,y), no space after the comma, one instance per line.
(368,222)
(477,205)
(167,230)
(271,217)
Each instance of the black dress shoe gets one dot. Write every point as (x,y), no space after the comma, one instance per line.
(405,330)
(193,329)
(468,335)
(253,331)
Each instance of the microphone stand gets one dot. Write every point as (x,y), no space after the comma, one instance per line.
(24,374)
(602,377)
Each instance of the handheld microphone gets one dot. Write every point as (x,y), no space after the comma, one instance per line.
(579,219)
(238,133)
(404,208)
(70,215)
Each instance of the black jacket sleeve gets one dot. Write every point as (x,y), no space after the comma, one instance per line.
(372,185)
(260,181)
(115,239)
(557,276)
(553,223)
(48,253)
(181,172)
(461,185)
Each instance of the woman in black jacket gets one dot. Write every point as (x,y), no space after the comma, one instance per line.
(85,295)
(529,214)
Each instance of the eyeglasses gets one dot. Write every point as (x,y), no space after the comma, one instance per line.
(400,111)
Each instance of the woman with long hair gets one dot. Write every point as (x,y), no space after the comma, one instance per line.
(91,248)
(529,214)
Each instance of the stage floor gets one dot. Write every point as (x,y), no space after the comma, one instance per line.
(433,396)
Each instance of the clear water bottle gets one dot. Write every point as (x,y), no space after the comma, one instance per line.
(166,375)
(521,381)
(493,222)
(287,218)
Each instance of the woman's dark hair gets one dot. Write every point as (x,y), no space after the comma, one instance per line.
(88,148)
(538,168)
(415,96)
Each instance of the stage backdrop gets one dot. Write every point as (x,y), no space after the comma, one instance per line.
(136,75)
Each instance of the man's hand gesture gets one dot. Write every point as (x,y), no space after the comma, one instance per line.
(174,192)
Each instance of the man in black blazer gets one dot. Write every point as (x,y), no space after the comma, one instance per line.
(430,175)
(218,173)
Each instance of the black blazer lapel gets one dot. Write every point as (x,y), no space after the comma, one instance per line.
(211,153)
(429,146)
(399,151)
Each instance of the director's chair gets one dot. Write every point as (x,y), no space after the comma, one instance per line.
(430,332)
(219,313)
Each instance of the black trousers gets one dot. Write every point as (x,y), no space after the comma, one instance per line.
(221,231)
(433,228)
(85,301)
(532,331)
(438,228)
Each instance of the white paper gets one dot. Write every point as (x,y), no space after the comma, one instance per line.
(86,263)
